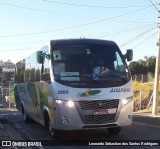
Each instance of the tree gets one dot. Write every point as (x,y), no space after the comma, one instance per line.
(143,66)
(133,67)
(138,67)
(142,69)
(151,63)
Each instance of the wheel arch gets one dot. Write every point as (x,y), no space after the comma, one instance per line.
(46,115)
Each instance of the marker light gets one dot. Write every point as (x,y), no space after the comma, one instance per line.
(59,101)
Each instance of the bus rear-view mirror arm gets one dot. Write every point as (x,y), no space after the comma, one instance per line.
(41,56)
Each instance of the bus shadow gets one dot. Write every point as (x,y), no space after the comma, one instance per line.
(86,135)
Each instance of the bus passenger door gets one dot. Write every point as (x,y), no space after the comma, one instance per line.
(32,105)
(40,102)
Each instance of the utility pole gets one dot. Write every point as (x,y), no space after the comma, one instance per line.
(9,96)
(156,80)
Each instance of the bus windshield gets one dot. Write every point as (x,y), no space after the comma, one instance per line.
(93,62)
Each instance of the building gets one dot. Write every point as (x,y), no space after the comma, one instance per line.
(6,72)
(8,66)
(1,64)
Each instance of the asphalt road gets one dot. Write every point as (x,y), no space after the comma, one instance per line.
(143,128)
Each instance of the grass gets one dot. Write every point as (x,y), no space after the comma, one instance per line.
(146,90)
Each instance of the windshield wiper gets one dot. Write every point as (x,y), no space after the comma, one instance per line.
(90,77)
(115,76)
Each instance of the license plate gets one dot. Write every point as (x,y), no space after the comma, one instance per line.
(100,112)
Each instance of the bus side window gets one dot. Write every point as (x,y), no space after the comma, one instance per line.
(118,63)
(45,76)
(19,73)
(37,75)
(32,75)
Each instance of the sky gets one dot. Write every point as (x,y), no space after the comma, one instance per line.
(26,24)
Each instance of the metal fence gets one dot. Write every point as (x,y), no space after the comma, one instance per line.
(142,78)
(143,102)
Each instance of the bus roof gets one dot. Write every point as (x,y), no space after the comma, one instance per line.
(81,41)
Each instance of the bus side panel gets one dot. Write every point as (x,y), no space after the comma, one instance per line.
(32,104)
(44,101)
(17,98)
(25,95)
(36,98)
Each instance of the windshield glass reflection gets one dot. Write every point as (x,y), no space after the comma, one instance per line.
(88,63)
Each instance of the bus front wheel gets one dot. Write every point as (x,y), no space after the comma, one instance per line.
(51,130)
(48,125)
(114,130)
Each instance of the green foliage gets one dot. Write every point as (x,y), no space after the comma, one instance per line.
(150,63)
(143,66)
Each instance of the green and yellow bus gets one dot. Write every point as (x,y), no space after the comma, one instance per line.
(62,87)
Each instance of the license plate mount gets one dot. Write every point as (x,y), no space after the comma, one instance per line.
(100,112)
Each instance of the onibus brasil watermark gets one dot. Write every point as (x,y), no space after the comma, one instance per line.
(21,143)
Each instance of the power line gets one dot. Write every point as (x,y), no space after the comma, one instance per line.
(46,11)
(91,6)
(126,21)
(71,27)
(131,24)
(22,49)
(144,40)
(138,36)
(122,31)
(34,47)
(111,33)
(69,15)
(31,48)
(17,43)
(154,6)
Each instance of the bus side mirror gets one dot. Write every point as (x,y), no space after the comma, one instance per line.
(129,55)
(40,57)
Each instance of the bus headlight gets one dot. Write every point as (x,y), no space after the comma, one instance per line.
(126,101)
(68,103)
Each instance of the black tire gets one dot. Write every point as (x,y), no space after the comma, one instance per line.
(114,130)
(48,125)
(52,131)
(25,117)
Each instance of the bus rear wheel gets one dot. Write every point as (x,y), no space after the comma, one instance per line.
(114,130)
(25,117)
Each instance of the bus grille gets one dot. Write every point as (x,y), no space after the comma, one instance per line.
(99,104)
(99,118)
